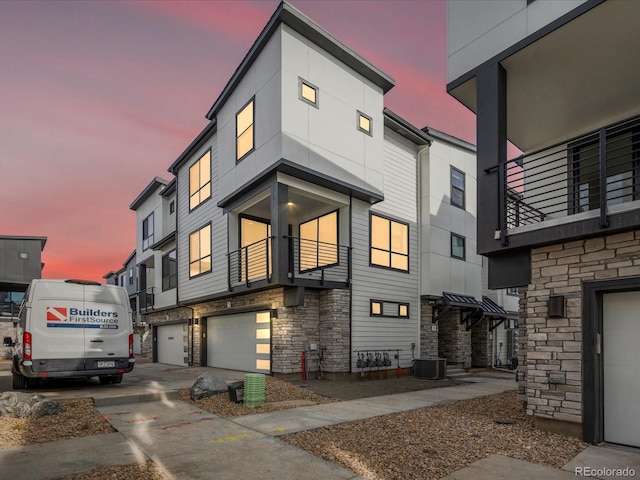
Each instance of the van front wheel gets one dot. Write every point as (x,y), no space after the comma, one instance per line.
(19,381)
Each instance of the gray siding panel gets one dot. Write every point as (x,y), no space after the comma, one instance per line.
(382,333)
(188,222)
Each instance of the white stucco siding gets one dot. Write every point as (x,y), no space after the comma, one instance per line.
(207,212)
(440,271)
(262,81)
(477,31)
(326,138)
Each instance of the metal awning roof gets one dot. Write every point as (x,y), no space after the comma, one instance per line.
(492,309)
(464,301)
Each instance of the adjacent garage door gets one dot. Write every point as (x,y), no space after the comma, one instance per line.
(173,344)
(621,368)
(240,341)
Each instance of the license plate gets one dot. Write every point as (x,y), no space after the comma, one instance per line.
(106,364)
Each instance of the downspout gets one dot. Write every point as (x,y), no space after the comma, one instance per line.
(419,215)
(351,281)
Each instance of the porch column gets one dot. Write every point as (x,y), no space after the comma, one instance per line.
(280,231)
(491,122)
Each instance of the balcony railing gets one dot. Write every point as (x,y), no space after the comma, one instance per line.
(146,299)
(599,169)
(307,259)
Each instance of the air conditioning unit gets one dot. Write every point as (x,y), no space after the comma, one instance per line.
(430,368)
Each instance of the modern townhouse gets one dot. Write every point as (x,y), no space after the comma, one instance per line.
(309,218)
(20,262)
(561,220)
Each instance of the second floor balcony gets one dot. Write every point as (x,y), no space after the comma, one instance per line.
(308,263)
(594,178)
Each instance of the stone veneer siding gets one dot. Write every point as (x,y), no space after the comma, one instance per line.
(454,341)
(324,320)
(428,332)
(481,344)
(555,344)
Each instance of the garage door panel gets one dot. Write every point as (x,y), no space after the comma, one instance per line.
(172,344)
(240,342)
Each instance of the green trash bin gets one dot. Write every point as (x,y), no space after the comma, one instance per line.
(236,392)
(254,390)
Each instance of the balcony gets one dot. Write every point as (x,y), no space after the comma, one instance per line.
(309,263)
(146,299)
(588,178)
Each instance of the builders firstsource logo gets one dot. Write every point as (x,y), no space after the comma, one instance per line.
(70,317)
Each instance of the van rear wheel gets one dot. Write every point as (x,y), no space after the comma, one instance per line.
(116,378)
(19,381)
(104,380)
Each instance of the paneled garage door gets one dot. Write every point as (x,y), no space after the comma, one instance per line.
(172,344)
(240,341)
(621,363)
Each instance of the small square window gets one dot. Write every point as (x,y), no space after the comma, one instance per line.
(376,308)
(308,92)
(512,291)
(364,123)
(457,246)
(172,207)
(403,311)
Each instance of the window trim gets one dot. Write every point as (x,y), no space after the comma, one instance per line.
(253,133)
(463,190)
(307,270)
(149,239)
(200,258)
(169,277)
(382,302)
(301,82)
(464,246)
(408,255)
(361,114)
(210,183)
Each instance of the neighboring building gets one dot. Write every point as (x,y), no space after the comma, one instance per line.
(307,217)
(20,262)
(561,221)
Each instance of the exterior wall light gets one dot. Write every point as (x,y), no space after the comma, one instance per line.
(556,307)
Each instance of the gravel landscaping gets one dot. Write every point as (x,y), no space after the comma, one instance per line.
(423,444)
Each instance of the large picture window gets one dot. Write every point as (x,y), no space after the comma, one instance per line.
(200,251)
(147,232)
(169,271)
(244,130)
(200,181)
(319,242)
(389,243)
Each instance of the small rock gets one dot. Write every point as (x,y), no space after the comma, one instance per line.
(19,404)
(207,385)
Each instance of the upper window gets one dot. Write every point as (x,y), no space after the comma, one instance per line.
(244,130)
(308,92)
(457,246)
(172,207)
(364,123)
(319,242)
(457,188)
(389,243)
(169,271)
(200,251)
(200,181)
(131,276)
(147,232)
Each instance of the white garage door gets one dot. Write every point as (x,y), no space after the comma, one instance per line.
(173,344)
(240,342)
(621,363)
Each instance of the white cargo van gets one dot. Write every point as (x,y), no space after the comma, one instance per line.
(72,329)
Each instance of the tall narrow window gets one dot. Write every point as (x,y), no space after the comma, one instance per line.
(244,130)
(200,251)
(200,181)
(457,188)
(147,232)
(389,243)
(319,242)
(169,271)
(457,246)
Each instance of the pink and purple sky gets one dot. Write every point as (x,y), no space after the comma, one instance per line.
(100,97)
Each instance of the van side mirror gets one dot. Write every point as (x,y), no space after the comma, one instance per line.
(7,342)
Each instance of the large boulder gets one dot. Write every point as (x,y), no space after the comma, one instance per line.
(207,385)
(33,405)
